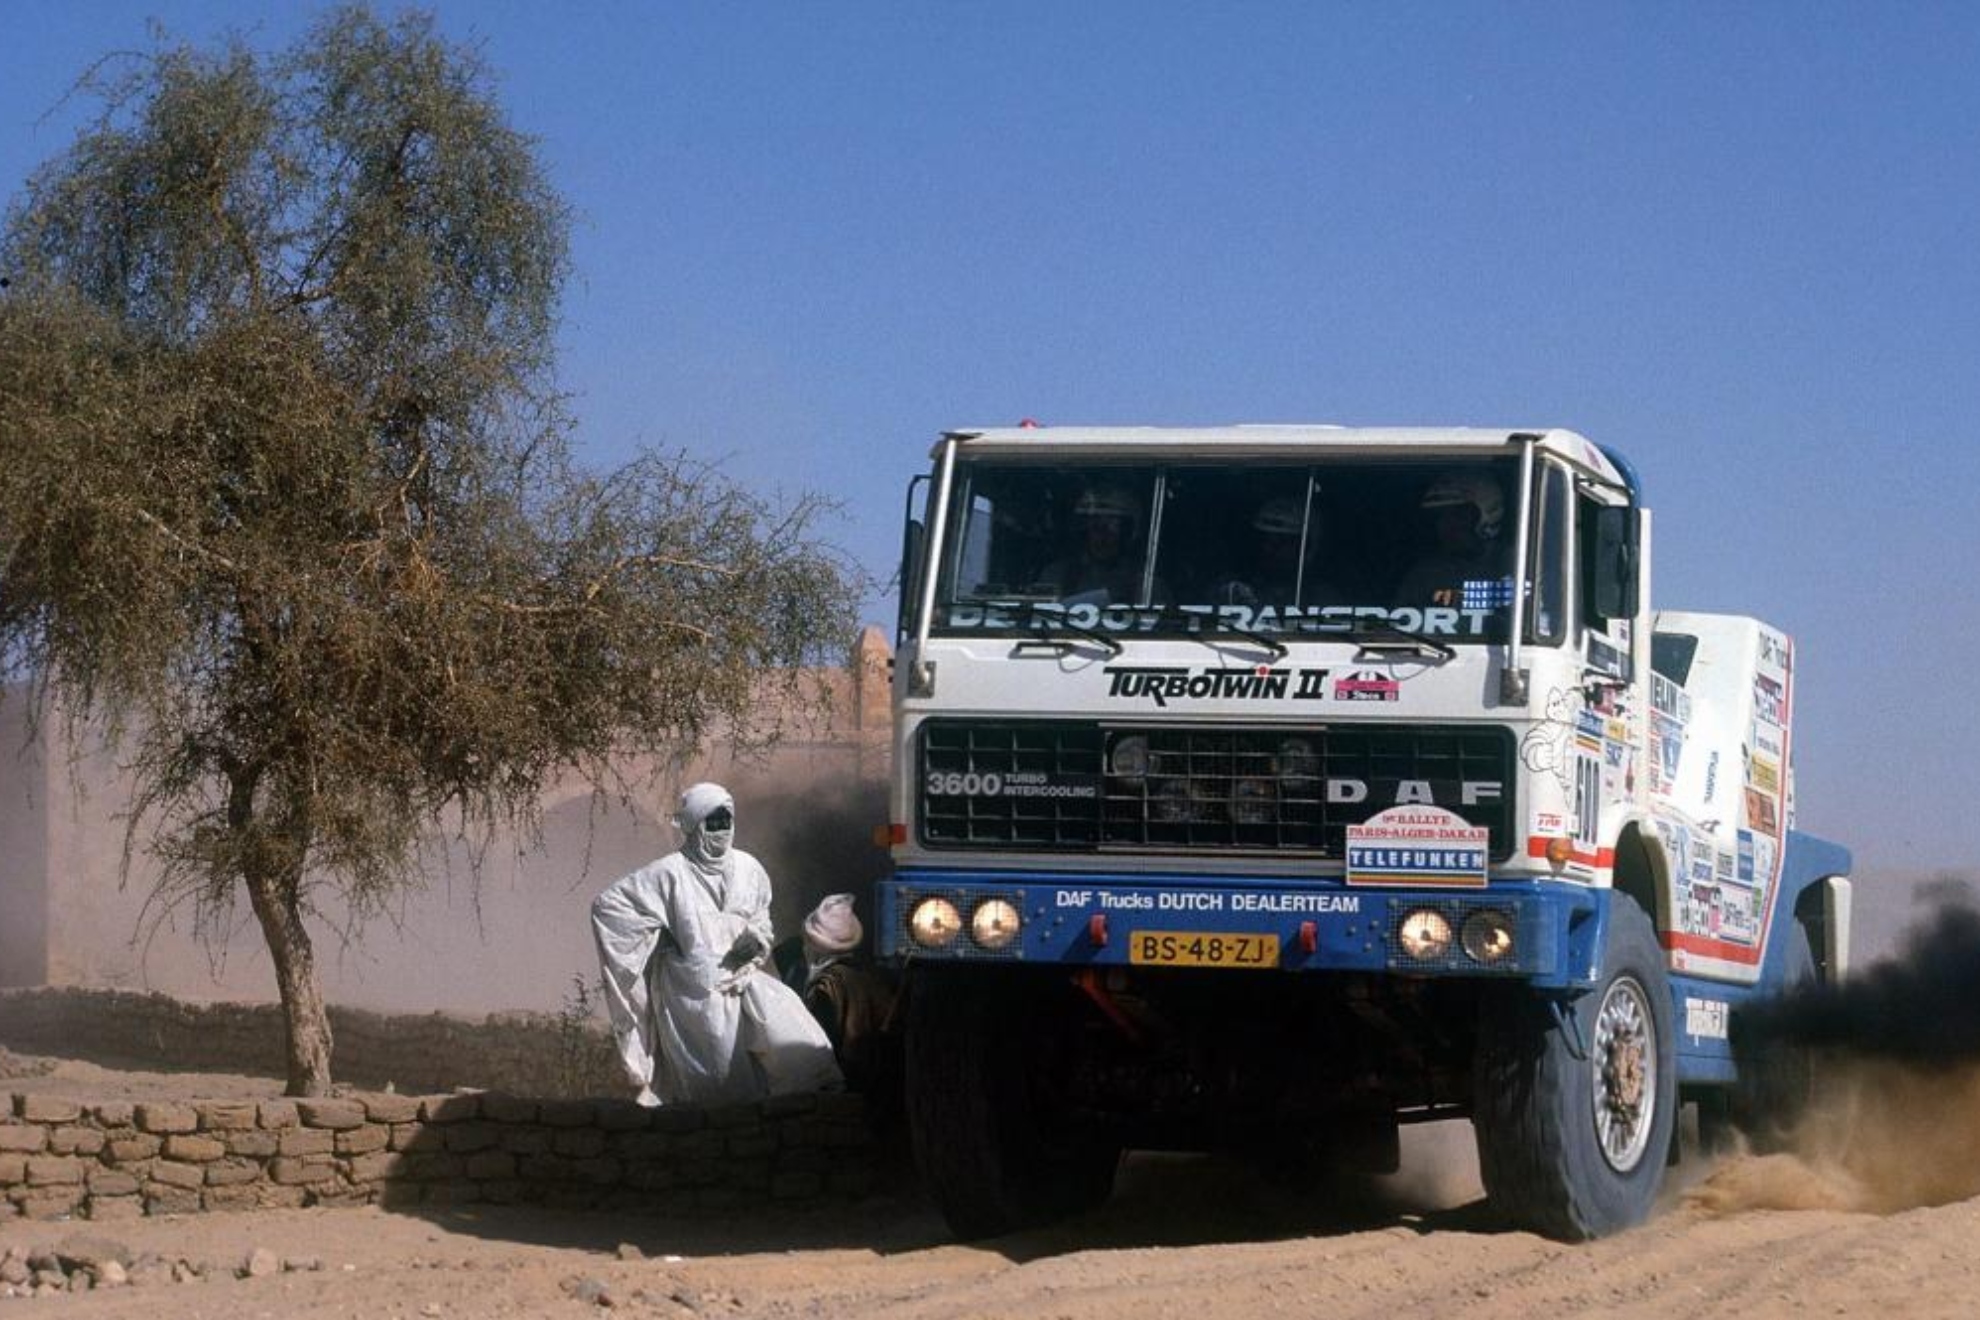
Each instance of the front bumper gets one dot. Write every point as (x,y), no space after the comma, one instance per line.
(1093,920)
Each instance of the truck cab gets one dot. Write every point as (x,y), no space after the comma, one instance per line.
(1268,787)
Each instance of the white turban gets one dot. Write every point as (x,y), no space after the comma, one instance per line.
(832,926)
(698,803)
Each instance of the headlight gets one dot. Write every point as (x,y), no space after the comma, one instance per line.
(935,923)
(994,924)
(1488,936)
(1168,801)
(1424,934)
(1299,766)
(1255,802)
(1129,759)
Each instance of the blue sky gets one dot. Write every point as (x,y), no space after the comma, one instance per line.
(1742,244)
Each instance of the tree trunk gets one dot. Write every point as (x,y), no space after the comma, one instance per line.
(306,1021)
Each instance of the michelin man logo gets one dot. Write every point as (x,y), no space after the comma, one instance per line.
(1546,748)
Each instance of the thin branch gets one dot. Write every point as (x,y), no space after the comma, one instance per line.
(624,562)
(186,545)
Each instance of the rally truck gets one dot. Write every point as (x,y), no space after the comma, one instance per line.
(1264,788)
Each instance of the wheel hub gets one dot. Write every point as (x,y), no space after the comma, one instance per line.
(1623,1073)
(1624,1063)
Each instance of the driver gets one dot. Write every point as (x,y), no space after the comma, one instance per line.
(1101,566)
(1464,513)
(1278,528)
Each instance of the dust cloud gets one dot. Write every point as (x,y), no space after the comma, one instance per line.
(816,838)
(1882,1137)
(1895,1121)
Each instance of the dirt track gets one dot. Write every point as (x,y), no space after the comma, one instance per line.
(1184,1237)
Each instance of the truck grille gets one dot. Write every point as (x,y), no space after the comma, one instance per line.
(1075,787)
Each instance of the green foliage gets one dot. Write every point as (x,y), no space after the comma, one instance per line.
(289,499)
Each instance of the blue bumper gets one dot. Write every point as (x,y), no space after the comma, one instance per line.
(1319,925)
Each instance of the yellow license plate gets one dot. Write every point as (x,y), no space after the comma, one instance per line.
(1183,948)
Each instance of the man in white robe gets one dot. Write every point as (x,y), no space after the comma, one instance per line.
(681,942)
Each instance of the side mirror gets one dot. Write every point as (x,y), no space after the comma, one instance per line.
(1616,577)
(913,539)
(914,544)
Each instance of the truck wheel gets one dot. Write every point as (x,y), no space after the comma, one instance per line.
(1776,1077)
(995,1142)
(1573,1112)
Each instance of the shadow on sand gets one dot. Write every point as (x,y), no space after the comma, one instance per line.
(1160,1201)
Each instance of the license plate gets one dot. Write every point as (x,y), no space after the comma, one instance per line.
(1183,948)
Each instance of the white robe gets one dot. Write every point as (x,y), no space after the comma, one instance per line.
(688,1027)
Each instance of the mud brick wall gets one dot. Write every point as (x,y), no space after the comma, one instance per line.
(522,1053)
(109,1160)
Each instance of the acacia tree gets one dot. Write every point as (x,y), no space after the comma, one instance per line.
(288,502)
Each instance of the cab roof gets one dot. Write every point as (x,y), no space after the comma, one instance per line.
(1281,441)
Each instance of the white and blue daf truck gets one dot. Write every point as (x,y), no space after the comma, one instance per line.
(1264,788)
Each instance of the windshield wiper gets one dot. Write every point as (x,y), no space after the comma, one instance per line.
(1062,645)
(1176,614)
(1373,634)
(1269,643)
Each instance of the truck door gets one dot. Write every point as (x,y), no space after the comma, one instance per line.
(1607,598)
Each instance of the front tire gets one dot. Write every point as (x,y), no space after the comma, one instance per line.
(995,1142)
(1573,1109)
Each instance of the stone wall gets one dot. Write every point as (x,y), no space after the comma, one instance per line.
(523,1053)
(110,1160)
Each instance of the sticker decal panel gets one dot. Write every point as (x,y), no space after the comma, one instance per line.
(1417,845)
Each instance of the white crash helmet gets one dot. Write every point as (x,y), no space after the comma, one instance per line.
(1278,516)
(1108,502)
(1476,489)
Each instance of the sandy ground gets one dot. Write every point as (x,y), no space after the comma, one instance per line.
(1874,1212)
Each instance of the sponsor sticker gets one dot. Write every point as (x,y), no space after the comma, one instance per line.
(1764,773)
(1769,701)
(1706,1019)
(1605,656)
(1666,749)
(1366,685)
(1766,853)
(1776,652)
(1667,698)
(1487,593)
(1417,845)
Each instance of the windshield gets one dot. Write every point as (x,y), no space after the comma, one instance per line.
(1186,548)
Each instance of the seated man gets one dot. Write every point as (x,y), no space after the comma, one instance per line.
(852,1000)
(1465,521)
(1104,565)
(1273,577)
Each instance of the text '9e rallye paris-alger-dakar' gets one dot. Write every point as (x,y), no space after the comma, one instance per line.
(1265,788)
